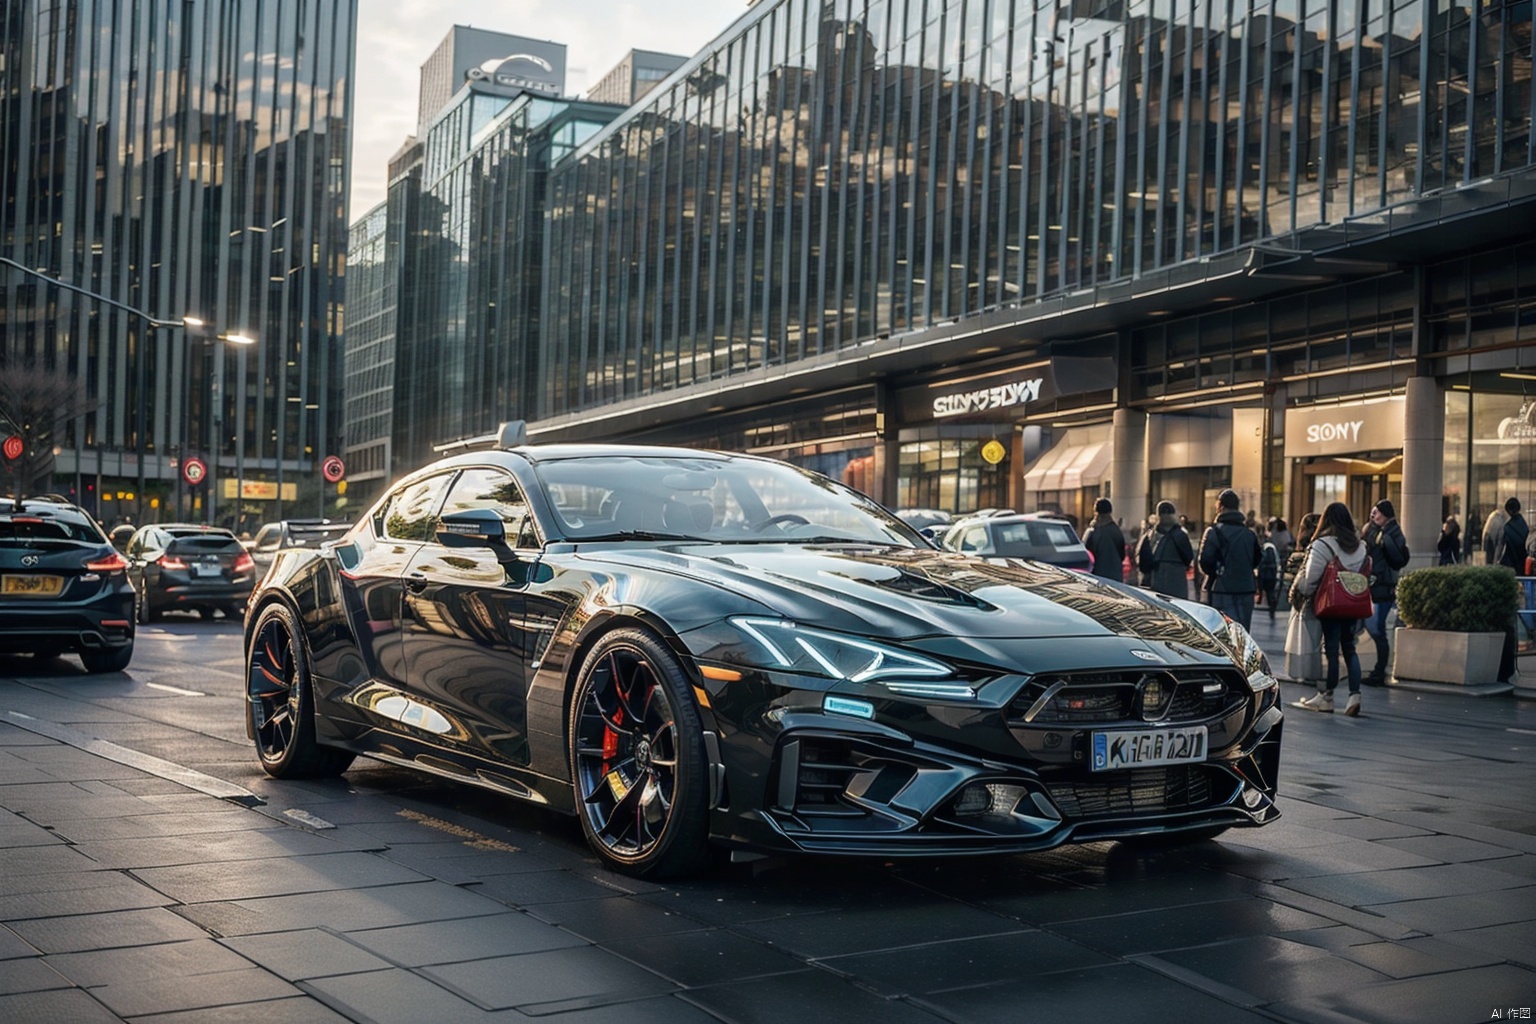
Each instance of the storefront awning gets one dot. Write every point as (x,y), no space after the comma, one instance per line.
(1067,467)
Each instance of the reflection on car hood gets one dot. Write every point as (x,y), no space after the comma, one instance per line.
(910,592)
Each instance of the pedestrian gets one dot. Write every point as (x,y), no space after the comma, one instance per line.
(1450,541)
(1165,554)
(1304,631)
(1269,576)
(1493,534)
(1105,541)
(1280,537)
(1388,550)
(1509,546)
(1191,528)
(1336,538)
(1229,557)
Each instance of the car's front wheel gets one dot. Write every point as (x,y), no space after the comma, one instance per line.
(637,758)
(282,704)
(147,612)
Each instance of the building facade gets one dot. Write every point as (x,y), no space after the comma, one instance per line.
(637,74)
(180,161)
(1151,249)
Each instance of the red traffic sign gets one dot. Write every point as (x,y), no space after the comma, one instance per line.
(333,469)
(194,471)
(14,447)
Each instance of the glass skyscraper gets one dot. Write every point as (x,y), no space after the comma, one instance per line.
(1153,247)
(183,160)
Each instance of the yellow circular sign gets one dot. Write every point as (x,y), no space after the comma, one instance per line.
(993,452)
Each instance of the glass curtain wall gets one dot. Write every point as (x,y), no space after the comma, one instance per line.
(184,159)
(833,171)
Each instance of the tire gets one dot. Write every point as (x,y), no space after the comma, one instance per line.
(233,611)
(205,613)
(146,612)
(111,659)
(282,702)
(656,825)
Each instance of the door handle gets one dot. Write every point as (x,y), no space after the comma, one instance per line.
(415,583)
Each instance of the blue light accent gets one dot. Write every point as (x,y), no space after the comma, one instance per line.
(844,706)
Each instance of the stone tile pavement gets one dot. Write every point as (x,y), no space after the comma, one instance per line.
(1400,886)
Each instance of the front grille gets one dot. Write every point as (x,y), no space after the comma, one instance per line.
(1091,698)
(1140,791)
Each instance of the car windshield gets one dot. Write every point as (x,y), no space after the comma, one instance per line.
(718,498)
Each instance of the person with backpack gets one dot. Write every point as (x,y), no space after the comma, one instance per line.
(1165,554)
(1336,538)
(1105,541)
(1269,576)
(1229,558)
(1388,551)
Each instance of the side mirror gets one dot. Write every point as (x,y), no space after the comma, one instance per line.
(472,528)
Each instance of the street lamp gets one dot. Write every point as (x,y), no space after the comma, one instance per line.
(154,322)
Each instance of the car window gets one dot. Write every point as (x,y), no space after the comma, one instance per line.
(483,487)
(408,514)
(973,539)
(28,528)
(268,537)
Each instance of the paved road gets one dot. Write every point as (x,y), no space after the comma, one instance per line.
(137,883)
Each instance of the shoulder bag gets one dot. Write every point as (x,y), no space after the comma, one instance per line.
(1343,593)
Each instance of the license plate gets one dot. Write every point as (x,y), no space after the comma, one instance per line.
(1113,751)
(208,570)
(32,586)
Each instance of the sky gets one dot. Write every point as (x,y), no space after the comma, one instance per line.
(395,37)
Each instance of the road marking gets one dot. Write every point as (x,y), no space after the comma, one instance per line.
(1523,732)
(307,819)
(176,690)
(148,763)
(471,838)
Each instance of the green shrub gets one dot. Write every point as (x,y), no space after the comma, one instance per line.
(1459,598)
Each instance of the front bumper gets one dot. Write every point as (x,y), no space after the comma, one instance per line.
(925,779)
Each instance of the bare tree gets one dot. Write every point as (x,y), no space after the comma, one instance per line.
(35,404)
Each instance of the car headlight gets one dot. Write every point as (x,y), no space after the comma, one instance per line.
(795,648)
(1245,649)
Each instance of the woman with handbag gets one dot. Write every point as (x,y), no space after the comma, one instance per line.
(1336,579)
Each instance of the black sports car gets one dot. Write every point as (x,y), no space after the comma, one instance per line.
(690,649)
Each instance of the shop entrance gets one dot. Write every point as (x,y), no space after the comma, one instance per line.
(1358,482)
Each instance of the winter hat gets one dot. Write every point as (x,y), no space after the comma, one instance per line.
(1229,499)
(1384,506)
(1103,507)
(1165,508)
(1512,506)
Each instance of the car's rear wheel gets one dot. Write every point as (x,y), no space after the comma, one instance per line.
(147,612)
(113,659)
(282,704)
(637,758)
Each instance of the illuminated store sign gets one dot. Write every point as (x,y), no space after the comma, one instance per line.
(1345,429)
(1001,397)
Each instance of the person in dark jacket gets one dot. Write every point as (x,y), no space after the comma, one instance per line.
(1166,553)
(1105,541)
(1229,558)
(1388,552)
(1450,541)
(1510,547)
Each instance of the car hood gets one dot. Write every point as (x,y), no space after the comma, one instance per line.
(906,593)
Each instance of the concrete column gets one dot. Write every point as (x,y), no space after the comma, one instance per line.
(1423,468)
(1128,481)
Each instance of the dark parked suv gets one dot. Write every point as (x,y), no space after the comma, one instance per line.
(63,587)
(178,567)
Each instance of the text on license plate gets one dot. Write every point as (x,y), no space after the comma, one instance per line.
(207,570)
(1118,750)
(32,586)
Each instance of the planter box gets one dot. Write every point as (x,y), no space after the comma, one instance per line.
(1434,656)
